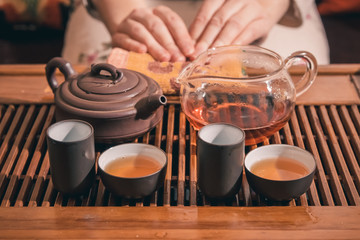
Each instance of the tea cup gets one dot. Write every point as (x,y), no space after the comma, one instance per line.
(280,172)
(72,156)
(220,159)
(132,170)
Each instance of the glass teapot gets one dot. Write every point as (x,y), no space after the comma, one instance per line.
(247,86)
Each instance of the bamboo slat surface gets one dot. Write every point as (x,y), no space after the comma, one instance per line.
(327,127)
(330,132)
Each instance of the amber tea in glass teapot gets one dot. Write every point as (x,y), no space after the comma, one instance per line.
(247,86)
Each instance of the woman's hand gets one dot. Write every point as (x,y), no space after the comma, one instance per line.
(159,31)
(223,22)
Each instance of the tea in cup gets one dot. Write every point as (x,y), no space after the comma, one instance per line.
(132,170)
(280,172)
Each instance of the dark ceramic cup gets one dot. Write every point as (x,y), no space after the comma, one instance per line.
(132,187)
(220,159)
(280,189)
(72,156)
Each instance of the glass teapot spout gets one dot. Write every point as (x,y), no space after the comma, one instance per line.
(182,79)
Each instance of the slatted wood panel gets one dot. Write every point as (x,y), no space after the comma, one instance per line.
(330,132)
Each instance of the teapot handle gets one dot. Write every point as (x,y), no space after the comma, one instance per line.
(63,65)
(116,75)
(310,73)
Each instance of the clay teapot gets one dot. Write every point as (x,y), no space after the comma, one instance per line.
(120,104)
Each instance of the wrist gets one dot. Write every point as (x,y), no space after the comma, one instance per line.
(106,11)
(275,9)
(113,12)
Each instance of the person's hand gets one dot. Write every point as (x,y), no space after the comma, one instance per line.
(223,22)
(159,31)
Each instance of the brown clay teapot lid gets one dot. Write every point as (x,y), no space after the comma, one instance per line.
(119,80)
(103,92)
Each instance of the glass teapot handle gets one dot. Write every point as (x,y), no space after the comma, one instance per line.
(310,73)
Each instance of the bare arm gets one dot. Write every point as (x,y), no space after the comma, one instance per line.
(112,12)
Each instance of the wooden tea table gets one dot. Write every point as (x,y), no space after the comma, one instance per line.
(326,122)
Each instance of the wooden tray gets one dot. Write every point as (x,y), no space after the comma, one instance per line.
(331,133)
(325,122)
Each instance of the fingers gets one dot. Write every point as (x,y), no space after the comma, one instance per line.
(235,21)
(207,10)
(138,32)
(252,32)
(160,31)
(226,24)
(239,23)
(125,42)
(177,29)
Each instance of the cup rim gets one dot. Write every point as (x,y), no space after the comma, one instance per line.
(240,140)
(70,120)
(101,157)
(310,155)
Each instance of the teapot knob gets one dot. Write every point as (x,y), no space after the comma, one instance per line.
(116,75)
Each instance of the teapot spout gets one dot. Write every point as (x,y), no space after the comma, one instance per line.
(148,105)
(182,78)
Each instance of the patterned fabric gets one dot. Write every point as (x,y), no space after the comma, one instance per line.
(87,40)
(49,13)
(164,73)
